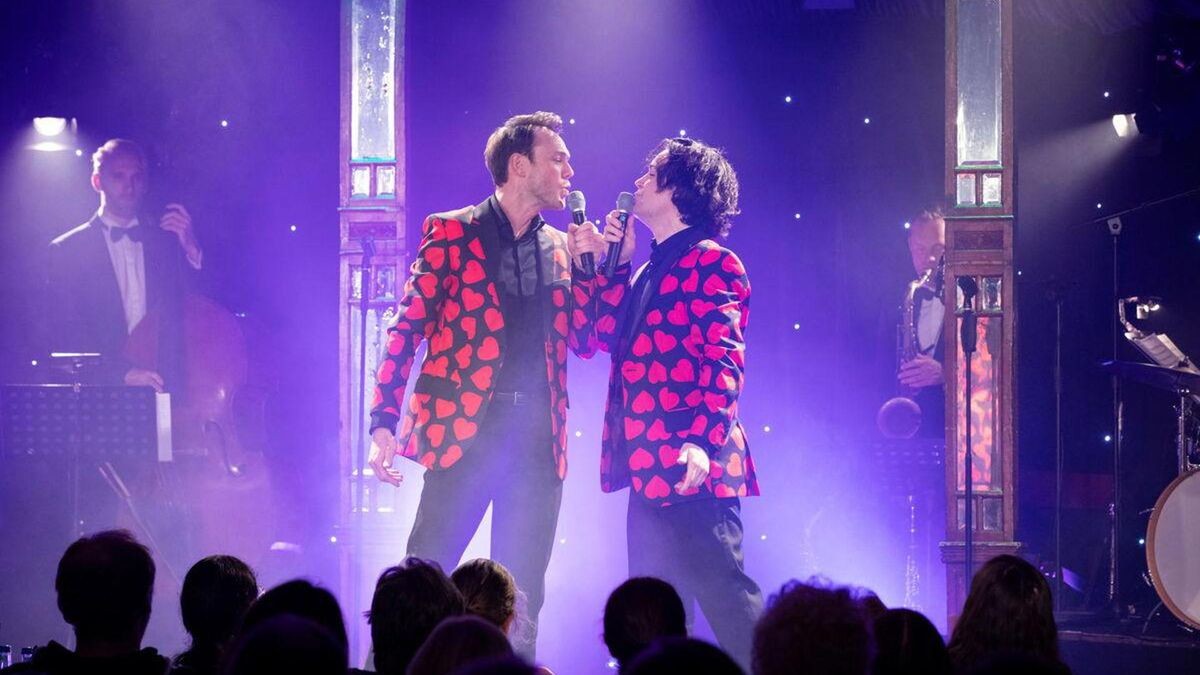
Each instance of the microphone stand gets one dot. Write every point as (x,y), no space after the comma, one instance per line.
(360,484)
(969,338)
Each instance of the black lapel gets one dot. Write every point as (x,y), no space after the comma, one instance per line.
(487,225)
(107,292)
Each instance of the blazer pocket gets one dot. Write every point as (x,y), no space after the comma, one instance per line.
(679,420)
(438,387)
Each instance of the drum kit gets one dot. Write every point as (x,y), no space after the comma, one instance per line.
(1173,536)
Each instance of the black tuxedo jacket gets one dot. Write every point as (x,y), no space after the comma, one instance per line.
(85,313)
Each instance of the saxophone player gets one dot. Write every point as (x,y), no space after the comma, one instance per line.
(923,372)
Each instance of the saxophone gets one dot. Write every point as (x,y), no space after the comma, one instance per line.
(900,416)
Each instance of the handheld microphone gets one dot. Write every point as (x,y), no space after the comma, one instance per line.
(578,204)
(624,204)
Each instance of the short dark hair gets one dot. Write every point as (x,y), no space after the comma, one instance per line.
(114,147)
(703,183)
(682,656)
(1009,609)
(217,591)
(812,628)
(410,600)
(301,598)
(457,642)
(516,135)
(640,611)
(105,584)
(488,589)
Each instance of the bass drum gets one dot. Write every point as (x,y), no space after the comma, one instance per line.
(1173,548)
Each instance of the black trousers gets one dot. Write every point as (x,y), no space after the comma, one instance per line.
(697,548)
(511,467)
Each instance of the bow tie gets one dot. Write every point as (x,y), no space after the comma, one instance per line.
(135,233)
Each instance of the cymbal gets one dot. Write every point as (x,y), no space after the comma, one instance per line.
(1171,379)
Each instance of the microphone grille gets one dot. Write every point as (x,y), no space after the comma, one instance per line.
(576,201)
(624,201)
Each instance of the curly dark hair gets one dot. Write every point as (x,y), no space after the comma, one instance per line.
(640,611)
(1009,609)
(410,600)
(516,135)
(488,589)
(703,183)
(813,628)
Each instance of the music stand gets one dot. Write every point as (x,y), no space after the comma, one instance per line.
(74,422)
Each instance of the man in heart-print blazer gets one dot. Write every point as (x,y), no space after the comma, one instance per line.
(676,334)
(492,293)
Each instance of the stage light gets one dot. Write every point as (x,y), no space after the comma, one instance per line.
(78,152)
(224,124)
(562,541)
(1106,94)
(571,121)
(767,429)
(1141,541)
(683,133)
(50,126)
(866,120)
(1124,124)
(292,228)
(796,216)
(578,434)
(795,326)
(787,99)
(1018,272)
(33,362)
(333,540)
(907,225)
(763,537)
(49,146)
(1107,438)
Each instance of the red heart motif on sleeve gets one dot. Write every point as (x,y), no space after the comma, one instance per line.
(642,403)
(416,309)
(678,314)
(455,257)
(473,272)
(395,344)
(436,367)
(444,408)
(710,256)
(657,488)
(716,436)
(468,326)
(560,322)
(436,433)
(493,319)
(669,284)
(472,300)
(668,399)
(723,491)
(637,483)
(463,356)
(482,378)
(667,456)
(658,431)
(715,402)
(450,310)
(658,373)
(489,349)
(578,318)
(476,247)
(471,403)
(691,283)
(654,317)
(714,285)
(732,265)
(376,398)
(427,285)
(427,460)
(640,460)
(633,428)
(606,325)
(451,284)
(689,261)
(734,466)
(613,295)
(683,371)
(641,345)
(386,370)
(702,307)
(464,429)
(453,229)
(633,371)
(452,455)
(664,342)
(717,332)
(436,257)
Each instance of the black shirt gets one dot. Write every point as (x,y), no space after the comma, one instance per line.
(662,257)
(519,284)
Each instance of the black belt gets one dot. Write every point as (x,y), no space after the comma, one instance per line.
(518,398)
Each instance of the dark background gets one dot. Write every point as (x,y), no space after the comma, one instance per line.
(166,74)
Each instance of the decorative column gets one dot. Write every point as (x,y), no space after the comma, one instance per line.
(979,244)
(371,220)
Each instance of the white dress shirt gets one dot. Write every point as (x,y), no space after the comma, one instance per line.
(129,266)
